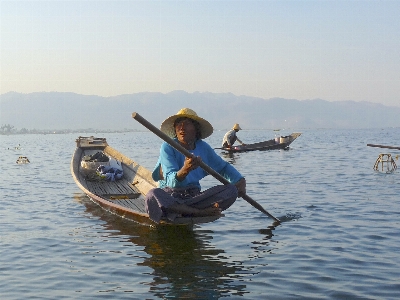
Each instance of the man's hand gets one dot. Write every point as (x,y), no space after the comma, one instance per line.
(190,164)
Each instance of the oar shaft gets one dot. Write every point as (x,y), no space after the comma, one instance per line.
(204,166)
(259,207)
(176,145)
(384,146)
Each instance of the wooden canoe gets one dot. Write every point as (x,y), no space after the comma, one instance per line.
(282,142)
(123,197)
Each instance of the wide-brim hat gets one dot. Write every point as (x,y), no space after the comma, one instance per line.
(236,127)
(168,125)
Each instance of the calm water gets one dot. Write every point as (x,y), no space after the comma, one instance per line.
(340,238)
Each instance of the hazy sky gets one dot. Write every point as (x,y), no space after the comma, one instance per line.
(333,50)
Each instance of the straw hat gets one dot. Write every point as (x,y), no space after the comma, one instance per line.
(168,125)
(236,127)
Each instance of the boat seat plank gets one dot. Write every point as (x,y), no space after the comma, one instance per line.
(126,197)
(114,197)
(112,188)
(132,204)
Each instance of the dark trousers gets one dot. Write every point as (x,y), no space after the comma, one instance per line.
(157,200)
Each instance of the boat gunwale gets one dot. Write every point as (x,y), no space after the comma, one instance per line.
(138,171)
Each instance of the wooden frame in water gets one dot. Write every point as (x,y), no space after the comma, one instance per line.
(383,161)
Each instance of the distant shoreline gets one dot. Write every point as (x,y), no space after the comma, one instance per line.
(92,130)
(66,131)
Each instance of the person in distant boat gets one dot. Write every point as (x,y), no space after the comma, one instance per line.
(230,137)
(179,190)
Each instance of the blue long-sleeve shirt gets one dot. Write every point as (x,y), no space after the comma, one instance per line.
(171,161)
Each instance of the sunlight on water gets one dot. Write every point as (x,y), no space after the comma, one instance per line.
(338,237)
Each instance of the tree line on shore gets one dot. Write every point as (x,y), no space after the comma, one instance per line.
(8,129)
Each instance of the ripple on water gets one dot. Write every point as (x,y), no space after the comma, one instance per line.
(338,238)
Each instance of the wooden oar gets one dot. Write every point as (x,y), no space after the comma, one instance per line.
(383,146)
(204,166)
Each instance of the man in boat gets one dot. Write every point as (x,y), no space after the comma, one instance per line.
(230,137)
(179,190)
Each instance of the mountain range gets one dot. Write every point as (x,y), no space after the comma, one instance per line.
(59,110)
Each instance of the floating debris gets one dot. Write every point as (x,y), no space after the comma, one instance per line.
(22,160)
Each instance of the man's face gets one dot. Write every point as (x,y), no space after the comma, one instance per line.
(185,131)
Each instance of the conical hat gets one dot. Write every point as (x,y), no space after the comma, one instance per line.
(236,127)
(168,125)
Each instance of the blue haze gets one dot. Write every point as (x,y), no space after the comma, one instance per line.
(73,111)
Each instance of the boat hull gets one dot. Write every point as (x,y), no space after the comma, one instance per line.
(124,197)
(273,144)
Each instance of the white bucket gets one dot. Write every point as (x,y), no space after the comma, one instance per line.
(284,139)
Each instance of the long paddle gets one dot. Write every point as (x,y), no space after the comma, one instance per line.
(204,166)
(383,146)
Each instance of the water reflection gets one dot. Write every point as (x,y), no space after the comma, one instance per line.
(267,232)
(229,156)
(184,262)
(187,266)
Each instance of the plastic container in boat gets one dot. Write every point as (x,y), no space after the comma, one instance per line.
(284,139)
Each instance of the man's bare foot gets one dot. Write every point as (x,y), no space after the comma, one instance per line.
(209,211)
